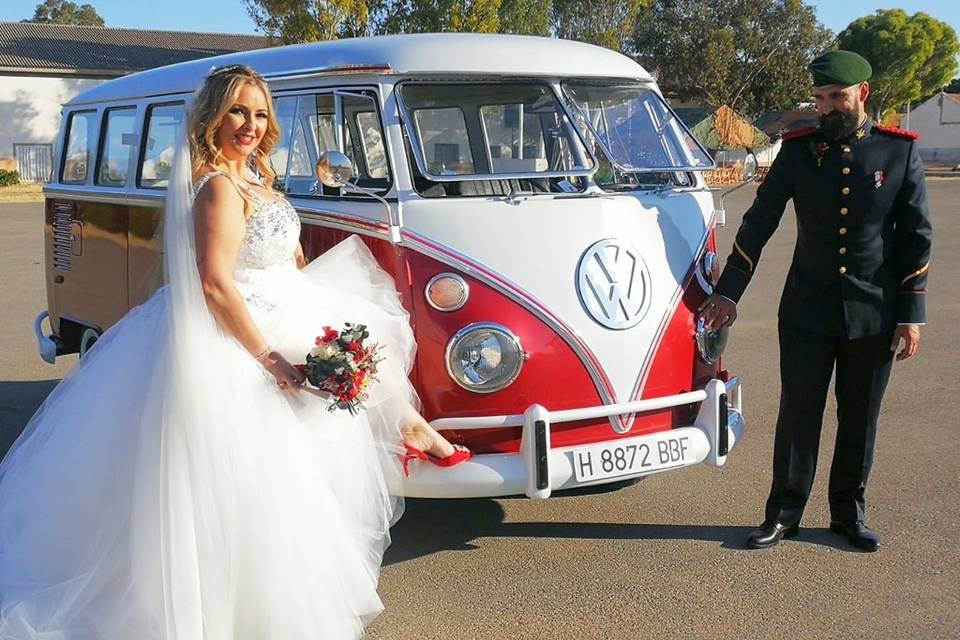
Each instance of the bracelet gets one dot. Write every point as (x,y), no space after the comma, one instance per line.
(263,354)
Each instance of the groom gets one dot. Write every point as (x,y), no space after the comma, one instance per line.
(855,291)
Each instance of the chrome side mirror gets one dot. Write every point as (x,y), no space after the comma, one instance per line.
(748,176)
(334,169)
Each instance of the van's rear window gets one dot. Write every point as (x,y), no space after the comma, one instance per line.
(81,130)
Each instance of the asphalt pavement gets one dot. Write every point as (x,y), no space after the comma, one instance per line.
(663,558)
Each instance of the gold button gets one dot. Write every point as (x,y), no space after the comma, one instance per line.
(844,211)
(846,149)
(843,231)
(843,250)
(843,269)
(845,191)
(846,171)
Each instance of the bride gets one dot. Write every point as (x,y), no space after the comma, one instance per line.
(179,484)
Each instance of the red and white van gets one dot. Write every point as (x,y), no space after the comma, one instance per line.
(541,208)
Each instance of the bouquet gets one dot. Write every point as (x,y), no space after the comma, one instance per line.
(343,366)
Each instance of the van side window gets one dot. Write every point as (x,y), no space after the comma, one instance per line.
(163,126)
(80,131)
(286,110)
(344,121)
(116,142)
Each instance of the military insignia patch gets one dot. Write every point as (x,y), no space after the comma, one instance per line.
(861,134)
(878,178)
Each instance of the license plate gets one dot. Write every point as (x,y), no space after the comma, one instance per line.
(612,459)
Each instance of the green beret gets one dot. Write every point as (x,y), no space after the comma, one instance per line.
(840,67)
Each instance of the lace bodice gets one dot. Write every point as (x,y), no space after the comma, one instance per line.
(266,256)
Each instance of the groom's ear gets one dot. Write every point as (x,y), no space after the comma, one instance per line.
(864,91)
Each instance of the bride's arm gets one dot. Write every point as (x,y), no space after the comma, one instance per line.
(219,225)
(299,257)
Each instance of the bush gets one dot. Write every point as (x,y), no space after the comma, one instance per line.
(9,178)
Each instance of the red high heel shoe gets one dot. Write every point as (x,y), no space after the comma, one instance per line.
(452,460)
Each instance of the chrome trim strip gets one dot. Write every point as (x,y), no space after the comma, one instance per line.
(107,196)
(671,311)
(343,222)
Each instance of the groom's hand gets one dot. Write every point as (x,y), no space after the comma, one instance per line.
(718,312)
(910,335)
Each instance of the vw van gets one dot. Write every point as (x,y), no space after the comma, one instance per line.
(541,208)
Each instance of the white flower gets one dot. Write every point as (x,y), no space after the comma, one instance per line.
(323,351)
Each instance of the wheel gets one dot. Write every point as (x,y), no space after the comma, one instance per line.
(88,338)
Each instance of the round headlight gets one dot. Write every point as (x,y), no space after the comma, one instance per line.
(484,357)
(447,292)
(710,344)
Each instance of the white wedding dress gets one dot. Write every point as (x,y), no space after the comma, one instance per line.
(167,489)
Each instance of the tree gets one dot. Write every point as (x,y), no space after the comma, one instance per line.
(953,87)
(435,16)
(291,21)
(608,23)
(751,55)
(66,12)
(912,56)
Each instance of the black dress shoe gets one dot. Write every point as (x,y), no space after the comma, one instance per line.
(857,533)
(769,534)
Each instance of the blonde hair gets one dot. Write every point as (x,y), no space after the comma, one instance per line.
(216,96)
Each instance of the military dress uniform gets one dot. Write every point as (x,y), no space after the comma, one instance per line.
(859,268)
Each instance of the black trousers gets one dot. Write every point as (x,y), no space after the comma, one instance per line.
(806,363)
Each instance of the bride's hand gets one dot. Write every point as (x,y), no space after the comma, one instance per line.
(286,375)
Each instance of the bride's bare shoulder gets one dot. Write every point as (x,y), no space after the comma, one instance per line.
(214,185)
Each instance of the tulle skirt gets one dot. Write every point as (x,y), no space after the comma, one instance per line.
(262,516)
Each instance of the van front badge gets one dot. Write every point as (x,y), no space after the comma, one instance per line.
(614,284)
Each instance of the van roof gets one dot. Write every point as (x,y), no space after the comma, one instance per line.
(435,53)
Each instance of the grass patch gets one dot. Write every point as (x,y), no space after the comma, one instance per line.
(22,193)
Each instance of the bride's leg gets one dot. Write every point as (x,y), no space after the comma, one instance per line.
(418,433)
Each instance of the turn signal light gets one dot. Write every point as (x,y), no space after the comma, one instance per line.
(447,292)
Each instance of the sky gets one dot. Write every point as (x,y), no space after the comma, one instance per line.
(230,16)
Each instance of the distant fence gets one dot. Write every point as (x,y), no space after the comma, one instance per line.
(34,161)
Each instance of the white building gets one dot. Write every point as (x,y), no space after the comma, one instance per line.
(45,65)
(938,122)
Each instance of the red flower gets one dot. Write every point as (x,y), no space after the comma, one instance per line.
(329,335)
(354,348)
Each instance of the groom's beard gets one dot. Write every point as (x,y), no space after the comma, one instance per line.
(838,124)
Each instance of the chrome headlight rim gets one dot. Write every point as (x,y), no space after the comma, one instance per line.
(452,276)
(705,270)
(704,346)
(488,326)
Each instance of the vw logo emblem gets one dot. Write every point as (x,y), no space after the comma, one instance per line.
(614,284)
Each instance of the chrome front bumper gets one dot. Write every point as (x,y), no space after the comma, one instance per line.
(538,469)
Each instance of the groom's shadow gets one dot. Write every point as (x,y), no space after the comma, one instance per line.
(431,526)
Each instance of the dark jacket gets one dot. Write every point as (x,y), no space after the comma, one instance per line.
(863,232)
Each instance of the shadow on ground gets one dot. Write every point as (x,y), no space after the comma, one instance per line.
(18,401)
(432,526)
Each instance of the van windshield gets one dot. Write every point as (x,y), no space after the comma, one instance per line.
(483,130)
(634,127)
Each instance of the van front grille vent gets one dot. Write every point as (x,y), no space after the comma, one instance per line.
(62,235)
